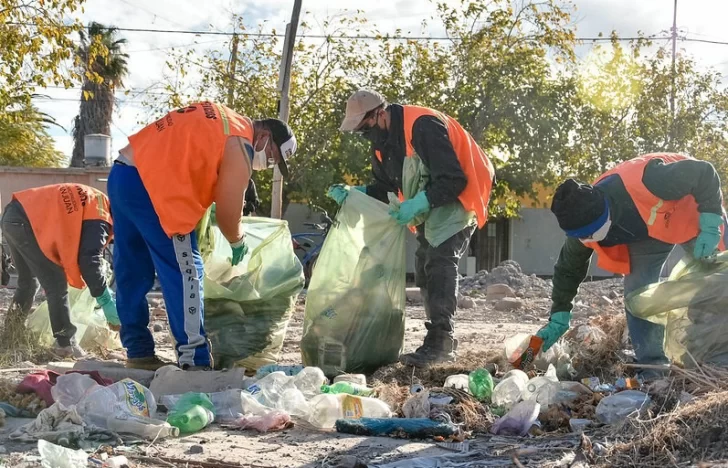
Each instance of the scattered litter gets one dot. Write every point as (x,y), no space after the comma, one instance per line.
(63,426)
(271,421)
(417,406)
(55,456)
(579,425)
(407,428)
(460,447)
(617,407)
(518,420)
(117,462)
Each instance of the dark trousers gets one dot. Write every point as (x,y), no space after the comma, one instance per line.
(436,274)
(33,267)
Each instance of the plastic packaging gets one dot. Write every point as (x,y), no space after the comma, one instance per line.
(578,425)
(125,397)
(533,385)
(248,306)
(617,407)
(270,421)
(229,405)
(116,462)
(277,390)
(354,320)
(55,456)
(348,388)
(459,381)
(193,412)
(359,379)
(693,306)
(327,408)
(508,391)
(421,428)
(309,381)
(522,349)
(267,369)
(92,331)
(143,427)
(71,388)
(518,421)
(480,383)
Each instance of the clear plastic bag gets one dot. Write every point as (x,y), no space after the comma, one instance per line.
(354,320)
(248,306)
(92,331)
(693,306)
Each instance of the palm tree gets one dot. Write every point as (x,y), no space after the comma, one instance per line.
(103,72)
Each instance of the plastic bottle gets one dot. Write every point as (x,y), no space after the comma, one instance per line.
(142,427)
(327,408)
(349,388)
(124,397)
(480,383)
(359,379)
(535,383)
(71,388)
(508,391)
(617,407)
(309,381)
(459,381)
(192,419)
(516,345)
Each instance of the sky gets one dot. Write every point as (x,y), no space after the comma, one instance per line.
(697,19)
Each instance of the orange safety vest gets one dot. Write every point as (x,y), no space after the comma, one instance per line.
(56,214)
(670,221)
(477,167)
(178,158)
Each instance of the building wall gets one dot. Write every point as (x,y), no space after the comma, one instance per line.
(15,179)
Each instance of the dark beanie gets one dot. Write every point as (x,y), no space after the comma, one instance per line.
(577,205)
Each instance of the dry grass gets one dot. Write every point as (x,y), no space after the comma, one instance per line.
(18,344)
(601,359)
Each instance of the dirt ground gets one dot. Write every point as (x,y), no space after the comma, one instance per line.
(478,330)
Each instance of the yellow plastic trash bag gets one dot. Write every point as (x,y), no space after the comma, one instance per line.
(693,306)
(92,334)
(248,306)
(354,320)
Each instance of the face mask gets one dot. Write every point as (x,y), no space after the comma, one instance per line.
(260,160)
(377,136)
(600,233)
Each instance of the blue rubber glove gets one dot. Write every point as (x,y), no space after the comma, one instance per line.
(411,208)
(555,329)
(709,237)
(108,305)
(339,192)
(240,248)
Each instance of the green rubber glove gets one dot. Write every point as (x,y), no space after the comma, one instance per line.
(240,248)
(709,237)
(555,329)
(411,208)
(108,305)
(213,218)
(339,192)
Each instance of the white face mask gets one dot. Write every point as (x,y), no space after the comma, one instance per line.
(260,159)
(600,233)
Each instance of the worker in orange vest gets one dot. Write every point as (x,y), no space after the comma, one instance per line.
(57,235)
(443,179)
(160,187)
(632,217)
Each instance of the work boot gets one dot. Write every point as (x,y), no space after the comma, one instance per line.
(71,351)
(439,348)
(151,363)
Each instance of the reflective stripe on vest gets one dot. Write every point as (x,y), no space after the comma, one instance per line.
(56,214)
(658,215)
(475,164)
(178,158)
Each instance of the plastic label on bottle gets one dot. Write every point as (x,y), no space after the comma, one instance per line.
(254,389)
(352,408)
(135,399)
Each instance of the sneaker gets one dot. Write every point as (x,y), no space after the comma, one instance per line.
(151,363)
(71,351)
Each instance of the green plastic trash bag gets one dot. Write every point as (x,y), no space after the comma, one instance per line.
(248,306)
(693,306)
(92,334)
(354,320)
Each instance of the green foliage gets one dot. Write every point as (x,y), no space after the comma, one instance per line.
(25,140)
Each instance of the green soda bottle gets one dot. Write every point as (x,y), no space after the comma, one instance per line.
(480,383)
(347,387)
(193,412)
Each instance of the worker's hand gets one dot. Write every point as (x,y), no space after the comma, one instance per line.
(240,248)
(410,209)
(108,305)
(709,237)
(339,192)
(555,329)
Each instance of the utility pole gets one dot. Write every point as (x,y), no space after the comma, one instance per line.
(284,84)
(672,89)
(231,71)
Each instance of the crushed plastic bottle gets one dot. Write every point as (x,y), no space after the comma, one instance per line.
(348,388)
(617,407)
(518,421)
(143,427)
(533,385)
(521,349)
(55,456)
(71,388)
(288,370)
(125,397)
(480,383)
(192,413)
(508,391)
(309,381)
(459,381)
(327,408)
